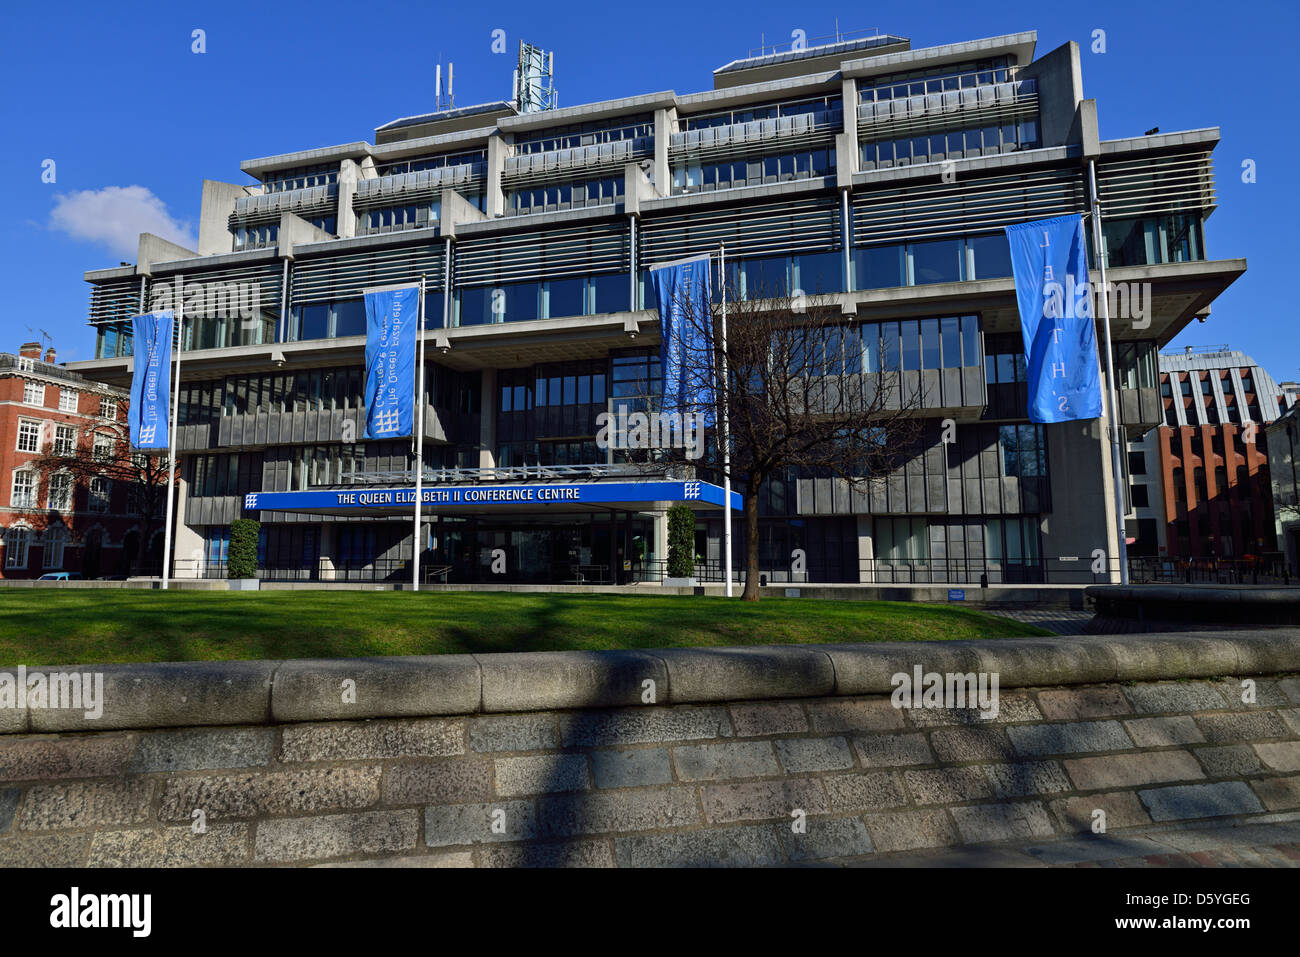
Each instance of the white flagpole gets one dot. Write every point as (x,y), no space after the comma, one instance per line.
(726,429)
(419,444)
(178,314)
(1112,392)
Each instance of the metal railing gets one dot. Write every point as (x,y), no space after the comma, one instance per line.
(1211,571)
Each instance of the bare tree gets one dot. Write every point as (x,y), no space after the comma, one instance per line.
(807,388)
(143,476)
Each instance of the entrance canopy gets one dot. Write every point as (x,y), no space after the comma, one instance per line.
(519,497)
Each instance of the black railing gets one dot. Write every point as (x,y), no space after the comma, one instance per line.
(1211,571)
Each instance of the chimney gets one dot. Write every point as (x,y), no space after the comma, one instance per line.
(50,355)
(30,350)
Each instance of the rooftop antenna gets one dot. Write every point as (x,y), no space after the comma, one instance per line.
(440,102)
(534,87)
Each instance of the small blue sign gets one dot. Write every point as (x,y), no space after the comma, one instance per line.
(956,594)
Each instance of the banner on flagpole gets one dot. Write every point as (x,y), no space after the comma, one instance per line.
(1050,262)
(686,350)
(391,318)
(151,380)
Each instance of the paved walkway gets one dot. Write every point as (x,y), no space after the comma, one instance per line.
(1059,621)
(1247,845)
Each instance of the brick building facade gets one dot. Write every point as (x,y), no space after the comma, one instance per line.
(56,519)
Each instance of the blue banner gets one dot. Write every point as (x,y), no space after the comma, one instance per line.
(1050,263)
(391,317)
(685,321)
(151,380)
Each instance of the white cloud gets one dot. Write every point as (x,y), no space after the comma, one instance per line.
(115,216)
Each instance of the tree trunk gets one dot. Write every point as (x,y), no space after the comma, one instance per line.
(751,544)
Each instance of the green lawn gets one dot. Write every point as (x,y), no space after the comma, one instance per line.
(94,626)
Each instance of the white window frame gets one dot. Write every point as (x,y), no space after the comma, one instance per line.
(59,448)
(56,541)
(108,408)
(32,423)
(29,486)
(14,537)
(68,400)
(103,447)
(72,486)
(99,501)
(33,385)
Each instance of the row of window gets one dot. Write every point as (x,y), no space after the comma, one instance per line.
(951,145)
(949,342)
(301,178)
(587,134)
(907,540)
(261,235)
(433,162)
(310,390)
(692,176)
(19,539)
(24,491)
(561,196)
(34,393)
(32,436)
(980,73)
(769,111)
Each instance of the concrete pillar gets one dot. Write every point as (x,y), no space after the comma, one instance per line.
(1083,516)
(344,216)
(866,550)
(187,542)
(494,201)
(487,429)
(665,126)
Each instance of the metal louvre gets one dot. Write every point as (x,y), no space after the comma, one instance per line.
(956,109)
(344,277)
(965,206)
(1156,184)
(398,189)
(266,277)
(804,131)
(580,162)
(800,226)
(115,300)
(265,207)
(530,256)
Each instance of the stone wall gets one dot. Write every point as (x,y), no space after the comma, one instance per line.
(670,784)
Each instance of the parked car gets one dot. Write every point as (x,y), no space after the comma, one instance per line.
(60,577)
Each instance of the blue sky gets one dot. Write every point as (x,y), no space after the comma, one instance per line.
(113,94)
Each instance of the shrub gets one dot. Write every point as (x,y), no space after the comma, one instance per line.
(241,560)
(681,541)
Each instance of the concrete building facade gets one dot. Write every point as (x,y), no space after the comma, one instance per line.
(878,175)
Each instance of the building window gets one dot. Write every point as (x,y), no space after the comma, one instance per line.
(67,400)
(17,540)
(104,448)
(65,440)
(99,494)
(1024,454)
(1140,496)
(108,408)
(24,490)
(1137,463)
(55,540)
(33,393)
(901,540)
(61,491)
(29,435)
(1012,540)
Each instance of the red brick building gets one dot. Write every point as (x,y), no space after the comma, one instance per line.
(1205,490)
(56,519)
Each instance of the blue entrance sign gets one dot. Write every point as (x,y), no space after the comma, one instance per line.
(479,496)
(956,594)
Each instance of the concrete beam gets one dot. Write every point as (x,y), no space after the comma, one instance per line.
(155,249)
(216,206)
